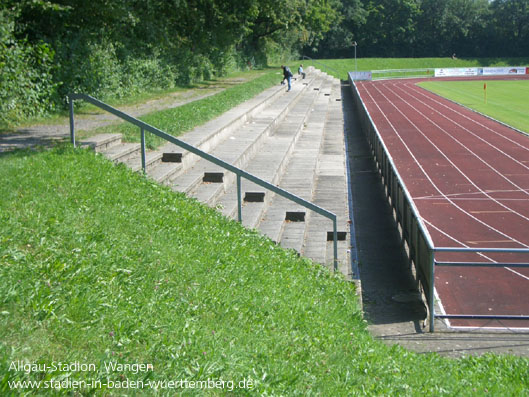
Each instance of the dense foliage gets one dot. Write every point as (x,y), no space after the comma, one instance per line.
(111,48)
(428,28)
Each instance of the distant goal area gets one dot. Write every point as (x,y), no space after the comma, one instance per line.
(439,72)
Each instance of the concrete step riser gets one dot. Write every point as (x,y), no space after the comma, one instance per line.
(125,154)
(242,161)
(189,159)
(277,176)
(99,146)
(106,146)
(151,162)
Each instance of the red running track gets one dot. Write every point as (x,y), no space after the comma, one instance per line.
(468,176)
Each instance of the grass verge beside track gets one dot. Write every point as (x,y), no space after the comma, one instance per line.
(100,265)
(506,101)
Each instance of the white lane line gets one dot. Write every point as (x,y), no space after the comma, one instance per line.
(454,110)
(439,127)
(426,174)
(455,195)
(420,91)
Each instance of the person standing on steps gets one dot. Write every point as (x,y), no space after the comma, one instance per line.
(287,75)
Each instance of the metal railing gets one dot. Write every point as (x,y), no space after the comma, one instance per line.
(422,251)
(215,160)
(480,264)
(402,73)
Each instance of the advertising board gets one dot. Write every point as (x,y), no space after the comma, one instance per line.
(507,70)
(454,72)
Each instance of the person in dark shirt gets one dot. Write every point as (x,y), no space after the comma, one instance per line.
(287,75)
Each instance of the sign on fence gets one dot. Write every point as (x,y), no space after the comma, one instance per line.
(454,72)
(360,75)
(504,70)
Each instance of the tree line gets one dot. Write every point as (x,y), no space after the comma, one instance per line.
(428,28)
(111,48)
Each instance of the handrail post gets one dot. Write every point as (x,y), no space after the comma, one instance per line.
(431,257)
(72,124)
(335,243)
(239,199)
(143,156)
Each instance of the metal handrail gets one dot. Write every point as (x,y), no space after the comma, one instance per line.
(392,73)
(215,160)
(322,64)
(481,264)
(403,70)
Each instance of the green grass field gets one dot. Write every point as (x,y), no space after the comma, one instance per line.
(340,67)
(100,265)
(506,101)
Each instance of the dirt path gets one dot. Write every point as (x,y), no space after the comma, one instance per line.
(48,134)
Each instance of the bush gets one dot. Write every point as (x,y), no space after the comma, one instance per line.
(26,83)
(88,67)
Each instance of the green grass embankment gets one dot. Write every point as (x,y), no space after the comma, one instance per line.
(178,120)
(340,67)
(100,265)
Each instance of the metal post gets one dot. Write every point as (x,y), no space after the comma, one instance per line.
(431,257)
(335,243)
(143,160)
(354,45)
(239,199)
(72,124)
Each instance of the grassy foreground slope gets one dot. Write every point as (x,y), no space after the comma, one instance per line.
(101,265)
(506,101)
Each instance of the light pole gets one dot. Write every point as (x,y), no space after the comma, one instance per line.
(354,45)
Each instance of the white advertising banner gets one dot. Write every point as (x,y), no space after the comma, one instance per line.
(454,72)
(496,71)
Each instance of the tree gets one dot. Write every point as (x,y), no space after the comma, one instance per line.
(338,41)
(511,27)
(390,28)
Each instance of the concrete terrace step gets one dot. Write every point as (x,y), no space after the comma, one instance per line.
(299,180)
(102,142)
(208,136)
(241,145)
(270,162)
(152,160)
(122,152)
(331,191)
(164,172)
